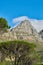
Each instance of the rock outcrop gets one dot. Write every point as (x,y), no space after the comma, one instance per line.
(7,36)
(25,31)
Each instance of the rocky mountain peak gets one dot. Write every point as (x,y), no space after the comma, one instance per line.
(25,31)
(37,24)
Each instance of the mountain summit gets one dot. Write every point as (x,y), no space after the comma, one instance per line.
(25,31)
(37,24)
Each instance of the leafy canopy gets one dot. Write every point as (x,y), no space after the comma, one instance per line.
(3,23)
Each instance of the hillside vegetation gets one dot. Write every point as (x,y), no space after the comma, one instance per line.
(18,53)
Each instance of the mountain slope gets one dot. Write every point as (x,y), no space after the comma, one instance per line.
(25,31)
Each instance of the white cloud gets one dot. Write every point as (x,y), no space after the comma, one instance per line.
(19,19)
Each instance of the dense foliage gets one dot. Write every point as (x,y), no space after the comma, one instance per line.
(18,53)
(3,23)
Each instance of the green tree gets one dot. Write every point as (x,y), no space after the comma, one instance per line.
(3,23)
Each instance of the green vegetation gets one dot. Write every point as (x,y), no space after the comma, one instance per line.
(4,23)
(18,53)
(5,63)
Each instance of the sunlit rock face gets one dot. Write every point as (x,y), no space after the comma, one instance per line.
(25,31)
(7,36)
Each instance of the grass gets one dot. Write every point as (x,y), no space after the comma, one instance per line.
(5,63)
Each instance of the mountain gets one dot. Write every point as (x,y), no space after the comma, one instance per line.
(37,24)
(25,31)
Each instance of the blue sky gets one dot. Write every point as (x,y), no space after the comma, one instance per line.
(10,9)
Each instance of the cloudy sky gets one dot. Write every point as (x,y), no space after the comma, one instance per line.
(11,9)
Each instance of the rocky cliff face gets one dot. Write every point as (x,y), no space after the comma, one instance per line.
(25,31)
(7,36)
